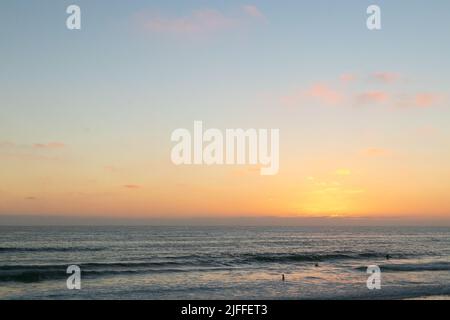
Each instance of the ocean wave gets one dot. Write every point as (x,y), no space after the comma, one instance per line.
(188,263)
(88,266)
(318,257)
(38,273)
(47,249)
(411,267)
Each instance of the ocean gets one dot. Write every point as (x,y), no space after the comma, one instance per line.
(224,262)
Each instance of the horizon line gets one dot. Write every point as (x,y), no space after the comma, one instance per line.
(249,221)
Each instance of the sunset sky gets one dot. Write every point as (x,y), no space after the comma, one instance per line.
(86,116)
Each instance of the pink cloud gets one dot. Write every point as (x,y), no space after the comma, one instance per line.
(50,145)
(419,100)
(347,77)
(27,152)
(253,11)
(132,186)
(425,100)
(325,94)
(199,21)
(316,93)
(385,77)
(340,94)
(372,97)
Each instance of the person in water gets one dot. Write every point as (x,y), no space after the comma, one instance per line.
(388,257)
(282,277)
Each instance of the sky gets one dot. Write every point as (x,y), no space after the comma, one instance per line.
(86,115)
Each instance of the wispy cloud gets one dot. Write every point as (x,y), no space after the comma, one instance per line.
(348,77)
(50,145)
(372,97)
(325,94)
(385,77)
(338,93)
(40,145)
(425,100)
(7,144)
(198,22)
(317,93)
(419,100)
(132,186)
(253,11)
(36,151)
